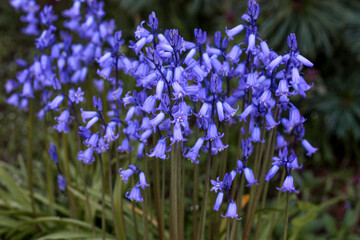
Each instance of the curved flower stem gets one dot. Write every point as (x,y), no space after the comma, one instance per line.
(102,197)
(286,215)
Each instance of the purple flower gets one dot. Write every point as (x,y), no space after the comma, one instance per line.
(77,96)
(288,185)
(272,172)
(159,150)
(309,148)
(234,31)
(249,175)
(193,153)
(63,122)
(54,104)
(134,195)
(125,174)
(53,153)
(219,200)
(212,132)
(61,182)
(142,183)
(86,156)
(231,211)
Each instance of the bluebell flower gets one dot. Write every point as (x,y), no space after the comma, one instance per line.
(220,111)
(145,135)
(248,110)
(134,195)
(274,63)
(159,150)
(256,135)
(212,132)
(54,104)
(27,90)
(157,119)
(77,96)
(86,156)
(110,132)
(294,162)
(125,146)
(101,146)
(130,113)
(280,141)
(249,176)
(247,148)
(308,147)
(234,31)
(53,153)
(61,182)
(270,121)
(177,134)
(92,141)
(46,39)
(217,185)
(193,152)
(84,132)
(142,181)
(231,211)
(218,146)
(234,54)
(97,104)
(140,150)
(125,174)
(272,172)
(229,111)
(288,185)
(149,104)
(304,61)
(219,200)
(251,43)
(63,122)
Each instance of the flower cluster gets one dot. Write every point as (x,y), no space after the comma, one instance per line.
(181,86)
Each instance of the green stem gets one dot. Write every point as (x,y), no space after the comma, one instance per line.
(239,194)
(157,199)
(116,226)
(145,203)
(49,176)
(195,201)
(267,156)
(30,157)
(228,229)
(206,194)
(173,195)
(68,176)
(180,202)
(264,195)
(88,208)
(286,215)
(102,196)
(133,206)
(275,215)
